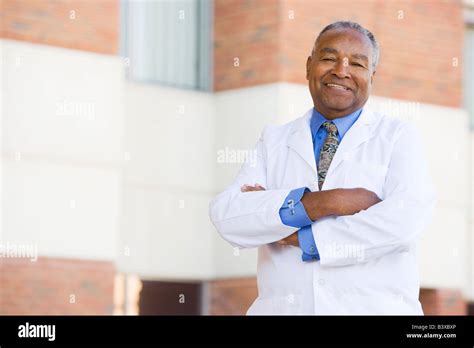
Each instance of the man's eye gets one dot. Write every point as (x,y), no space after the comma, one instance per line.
(357,64)
(330,59)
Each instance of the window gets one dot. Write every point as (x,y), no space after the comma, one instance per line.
(168,41)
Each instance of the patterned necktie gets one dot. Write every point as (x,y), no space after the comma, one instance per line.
(328,150)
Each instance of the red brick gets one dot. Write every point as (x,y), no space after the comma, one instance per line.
(95,27)
(232,296)
(416,52)
(443,302)
(43,287)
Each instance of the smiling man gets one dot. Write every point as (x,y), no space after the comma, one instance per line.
(337,199)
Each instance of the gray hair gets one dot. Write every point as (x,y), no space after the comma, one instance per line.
(360,29)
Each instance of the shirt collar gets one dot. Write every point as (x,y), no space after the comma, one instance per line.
(342,123)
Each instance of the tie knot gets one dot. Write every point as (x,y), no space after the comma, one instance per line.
(330,127)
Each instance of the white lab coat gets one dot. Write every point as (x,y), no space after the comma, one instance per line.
(368,261)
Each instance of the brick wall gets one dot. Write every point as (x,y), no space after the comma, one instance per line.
(232,296)
(271,39)
(46,286)
(78,24)
(274,38)
(247,31)
(443,302)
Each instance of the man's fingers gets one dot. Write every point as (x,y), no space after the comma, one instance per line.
(249,188)
(292,239)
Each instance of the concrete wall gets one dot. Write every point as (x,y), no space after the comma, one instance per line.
(61,150)
(167,183)
(61,137)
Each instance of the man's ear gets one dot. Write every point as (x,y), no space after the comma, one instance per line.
(308,67)
(372,77)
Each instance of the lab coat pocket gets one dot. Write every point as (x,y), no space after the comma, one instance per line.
(368,175)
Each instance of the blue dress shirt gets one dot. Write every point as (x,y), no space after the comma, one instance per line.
(292,212)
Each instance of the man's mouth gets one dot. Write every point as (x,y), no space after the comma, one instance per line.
(336,86)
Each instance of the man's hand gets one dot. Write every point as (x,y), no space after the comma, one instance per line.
(250,188)
(292,239)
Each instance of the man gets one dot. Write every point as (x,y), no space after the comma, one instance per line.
(337,199)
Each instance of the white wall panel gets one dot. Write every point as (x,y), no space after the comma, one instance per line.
(61,153)
(169,179)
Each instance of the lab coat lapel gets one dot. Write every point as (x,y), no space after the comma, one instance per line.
(301,141)
(360,132)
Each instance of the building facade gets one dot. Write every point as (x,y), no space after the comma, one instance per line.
(121,120)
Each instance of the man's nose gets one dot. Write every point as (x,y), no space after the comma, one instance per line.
(340,70)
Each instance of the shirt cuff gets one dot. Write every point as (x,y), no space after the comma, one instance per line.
(292,212)
(307,244)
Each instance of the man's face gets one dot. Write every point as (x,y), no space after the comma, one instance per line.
(340,72)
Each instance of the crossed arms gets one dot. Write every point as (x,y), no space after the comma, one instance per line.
(337,202)
(342,217)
